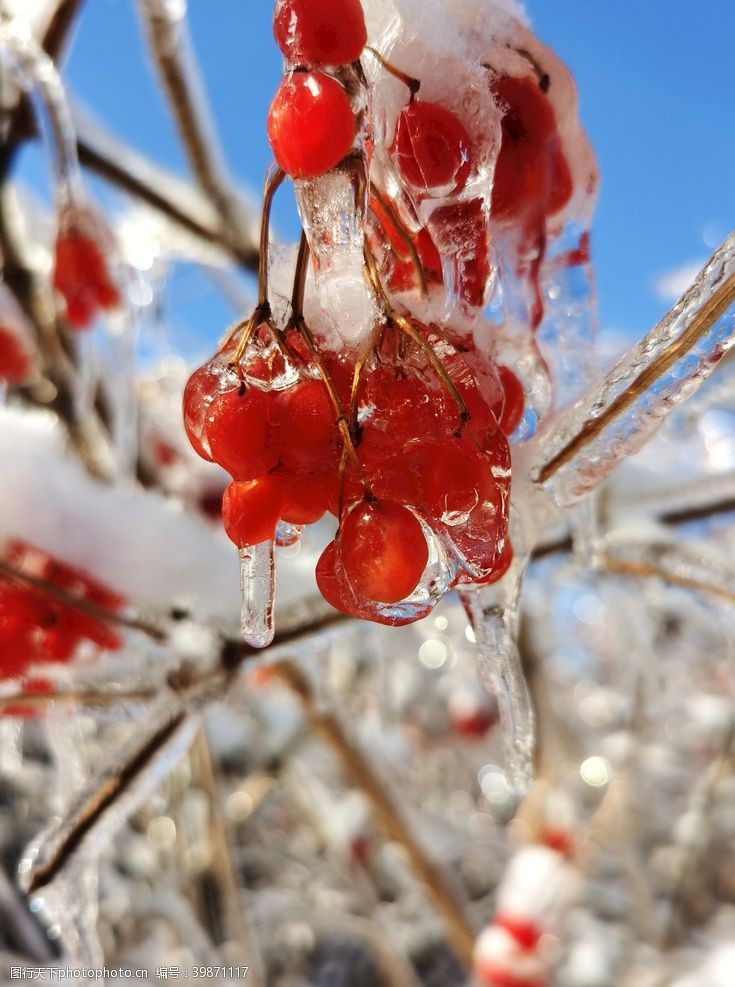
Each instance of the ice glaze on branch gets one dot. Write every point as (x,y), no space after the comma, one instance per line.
(617,417)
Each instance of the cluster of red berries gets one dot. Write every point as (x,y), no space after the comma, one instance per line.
(37,628)
(420,471)
(81,269)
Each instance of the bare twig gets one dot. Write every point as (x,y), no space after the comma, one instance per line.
(174,58)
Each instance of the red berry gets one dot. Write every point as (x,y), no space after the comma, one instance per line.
(320,32)
(239,433)
(383,551)
(432,148)
(309,433)
(252,509)
(202,389)
(311,125)
(531,170)
(82,278)
(307,497)
(515,400)
(15,362)
(454,477)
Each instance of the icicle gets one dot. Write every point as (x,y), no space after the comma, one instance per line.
(258,588)
(493,614)
(86,380)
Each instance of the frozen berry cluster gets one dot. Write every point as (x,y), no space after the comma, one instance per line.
(403,433)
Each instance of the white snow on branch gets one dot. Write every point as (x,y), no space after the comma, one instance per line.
(140,544)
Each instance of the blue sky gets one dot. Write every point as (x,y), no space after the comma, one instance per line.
(655,87)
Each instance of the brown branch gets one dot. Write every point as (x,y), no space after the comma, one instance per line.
(174,59)
(644,570)
(361,774)
(163,192)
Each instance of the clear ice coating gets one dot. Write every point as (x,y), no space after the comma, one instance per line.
(616,418)
(258,591)
(493,614)
(37,74)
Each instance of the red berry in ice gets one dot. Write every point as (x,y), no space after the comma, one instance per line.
(320,32)
(515,400)
(432,148)
(252,509)
(531,170)
(307,497)
(15,361)
(202,389)
(239,433)
(383,551)
(311,125)
(462,234)
(82,278)
(308,424)
(453,478)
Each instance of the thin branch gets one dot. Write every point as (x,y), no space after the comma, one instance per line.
(361,774)
(644,570)
(180,202)
(173,55)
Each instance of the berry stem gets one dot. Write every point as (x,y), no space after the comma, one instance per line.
(273,182)
(408,80)
(403,232)
(401,323)
(299,324)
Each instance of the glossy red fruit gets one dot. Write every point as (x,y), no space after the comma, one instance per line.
(201,390)
(454,478)
(252,509)
(531,170)
(333,586)
(307,497)
(383,551)
(15,361)
(82,277)
(310,438)
(515,401)
(311,125)
(432,148)
(320,32)
(239,433)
